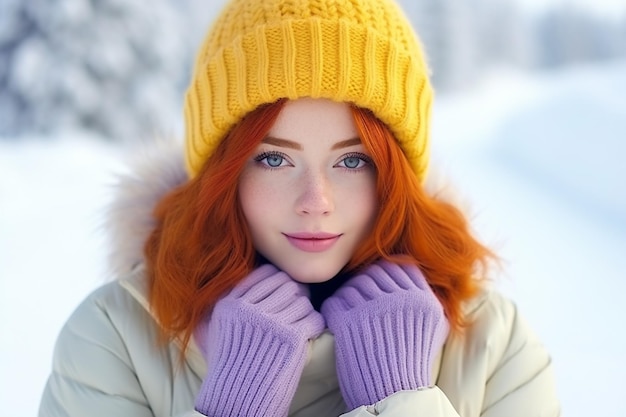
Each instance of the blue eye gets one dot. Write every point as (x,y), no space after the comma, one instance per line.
(274,160)
(352,162)
(271,159)
(355,161)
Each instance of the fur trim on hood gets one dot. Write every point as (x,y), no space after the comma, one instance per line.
(153,172)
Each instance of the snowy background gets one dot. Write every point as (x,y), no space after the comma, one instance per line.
(535,146)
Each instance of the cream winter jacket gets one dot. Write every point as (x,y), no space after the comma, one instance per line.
(107,362)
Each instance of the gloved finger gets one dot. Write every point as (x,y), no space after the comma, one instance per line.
(405,275)
(415,274)
(392,276)
(373,282)
(356,292)
(297,309)
(280,297)
(255,277)
(310,324)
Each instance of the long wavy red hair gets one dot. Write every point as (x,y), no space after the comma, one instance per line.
(201,246)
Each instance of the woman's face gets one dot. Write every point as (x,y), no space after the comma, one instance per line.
(308,192)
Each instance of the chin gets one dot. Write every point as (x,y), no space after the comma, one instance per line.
(311,274)
(312,279)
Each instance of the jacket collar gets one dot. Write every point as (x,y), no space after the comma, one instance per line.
(136,285)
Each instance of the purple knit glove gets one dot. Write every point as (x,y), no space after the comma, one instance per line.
(256,345)
(388,326)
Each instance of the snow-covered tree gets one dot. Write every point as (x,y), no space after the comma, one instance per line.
(115,67)
(569,35)
(446,28)
(504,33)
(464,37)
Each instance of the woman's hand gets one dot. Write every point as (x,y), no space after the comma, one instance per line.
(256,343)
(388,327)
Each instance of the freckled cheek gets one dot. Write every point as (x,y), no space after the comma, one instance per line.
(260,198)
(360,197)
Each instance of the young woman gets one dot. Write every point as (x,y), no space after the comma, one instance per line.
(297,265)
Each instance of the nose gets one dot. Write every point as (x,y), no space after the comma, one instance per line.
(315,195)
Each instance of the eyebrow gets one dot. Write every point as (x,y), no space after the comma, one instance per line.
(284,143)
(346,143)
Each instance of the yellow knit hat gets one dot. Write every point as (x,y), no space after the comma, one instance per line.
(359,51)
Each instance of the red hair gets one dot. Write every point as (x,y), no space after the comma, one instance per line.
(201,246)
(415,227)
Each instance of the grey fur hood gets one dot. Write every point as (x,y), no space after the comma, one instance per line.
(152,172)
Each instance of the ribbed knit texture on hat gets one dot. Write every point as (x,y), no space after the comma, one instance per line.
(359,51)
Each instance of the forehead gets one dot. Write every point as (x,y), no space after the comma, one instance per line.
(319,119)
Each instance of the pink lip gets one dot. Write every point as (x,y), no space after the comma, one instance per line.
(312,242)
